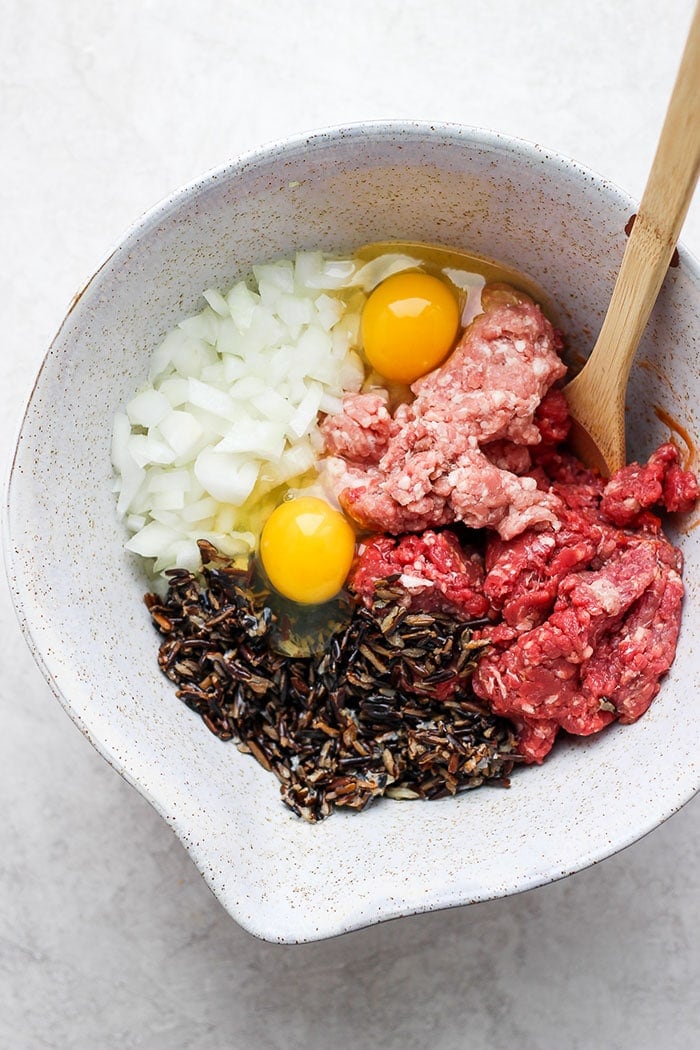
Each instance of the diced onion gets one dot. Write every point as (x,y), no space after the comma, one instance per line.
(233,401)
(226,476)
(261,438)
(147,408)
(151,540)
(217,302)
(306,413)
(181,431)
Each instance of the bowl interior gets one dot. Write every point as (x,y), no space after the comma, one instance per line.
(79,594)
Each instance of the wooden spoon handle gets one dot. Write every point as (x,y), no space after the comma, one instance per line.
(663,208)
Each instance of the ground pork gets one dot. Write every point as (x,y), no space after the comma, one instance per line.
(362,432)
(425,466)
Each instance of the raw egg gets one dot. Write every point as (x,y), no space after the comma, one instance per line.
(306,549)
(409,324)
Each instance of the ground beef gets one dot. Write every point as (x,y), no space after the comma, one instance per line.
(436,573)
(552,417)
(524,574)
(559,467)
(599,656)
(425,466)
(627,664)
(591,610)
(659,483)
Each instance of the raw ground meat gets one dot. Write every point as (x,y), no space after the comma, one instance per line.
(436,572)
(493,383)
(582,589)
(552,417)
(553,423)
(362,432)
(660,482)
(524,574)
(425,466)
(600,654)
(585,613)
(591,611)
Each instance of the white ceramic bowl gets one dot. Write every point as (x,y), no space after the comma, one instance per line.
(78,594)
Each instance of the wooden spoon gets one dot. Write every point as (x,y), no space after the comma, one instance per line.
(597,395)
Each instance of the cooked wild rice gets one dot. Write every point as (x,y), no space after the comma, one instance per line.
(386,709)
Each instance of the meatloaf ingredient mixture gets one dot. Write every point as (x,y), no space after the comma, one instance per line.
(493,591)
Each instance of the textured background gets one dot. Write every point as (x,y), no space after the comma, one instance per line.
(108,937)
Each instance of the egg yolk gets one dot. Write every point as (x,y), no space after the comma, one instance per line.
(409,324)
(306,549)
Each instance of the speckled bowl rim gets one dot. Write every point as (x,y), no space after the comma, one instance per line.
(375,130)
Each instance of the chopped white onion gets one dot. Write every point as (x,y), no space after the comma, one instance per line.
(242,304)
(146,449)
(176,389)
(211,399)
(132,479)
(147,408)
(271,405)
(255,437)
(227,476)
(168,480)
(181,431)
(377,270)
(121,429)
(233,402)
(295,461)
(202,326)
(217,302)
(151,540)
(307,411)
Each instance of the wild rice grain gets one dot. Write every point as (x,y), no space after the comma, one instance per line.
(386,709)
